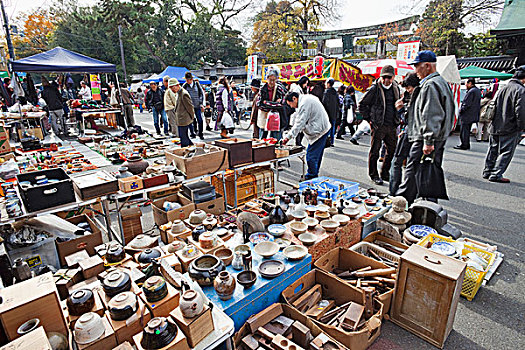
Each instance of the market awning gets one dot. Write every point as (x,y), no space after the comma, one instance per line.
(62,60)
(477,72)
(174,72)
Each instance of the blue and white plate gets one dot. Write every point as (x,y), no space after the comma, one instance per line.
(259,237)
(420,231)
(277,230)
(444,248)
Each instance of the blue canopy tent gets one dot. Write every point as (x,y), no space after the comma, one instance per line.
(173,72)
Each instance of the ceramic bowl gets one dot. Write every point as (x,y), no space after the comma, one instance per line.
(176,246)
(311,223)
(382,195)
(352,213)
(332,211)
(295,252)
(246,278)
(177,227)
(204,269)
(282,242)
(372,192)
(88,328)
(310,209)
(323,208)
(307,238)
(142,242)
(370,201)
(329,225)
(243,248)
(80,301)
(147,255)
(266,249)
(357,199)
(277,230)
(155,289)
(259,237)
(116,282)
(298,215)
(341,219)
(158,333)
(115,253)
(298,227)
(225,254)
(122,306)
(197,217)
(322,215)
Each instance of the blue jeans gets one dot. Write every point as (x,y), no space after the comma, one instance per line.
(184,138)
(141,108)
(156,120)
(198,121)
(276,134)
(314,156)
(332,132)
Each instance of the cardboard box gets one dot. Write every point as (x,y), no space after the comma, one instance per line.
(98,308)
(332,288)
(106,341)
(124,346)
(93,283)
(33,131)
(162,217)
(162,308)
(126,329)
(214,206)
(36,340)
(203,164)
(72,260)
(92,266)
(33,298)
(179,343)
(87,242)
(5,147)
(195,329)
(130,184)
(349,260)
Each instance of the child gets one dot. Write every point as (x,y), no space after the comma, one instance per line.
(207,115)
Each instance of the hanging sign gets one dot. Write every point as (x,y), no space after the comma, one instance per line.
(95,87)
(407,50)
(252,67)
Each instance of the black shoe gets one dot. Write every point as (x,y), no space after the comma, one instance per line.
(385,178)
(486,176)
(499,179)
(461,148)
(339,138)
(354,142)
(193,136)
(378,181)
(208,128)
(201,137)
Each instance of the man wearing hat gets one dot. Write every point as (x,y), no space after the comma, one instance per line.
(170,102)
(431,123)
(184,112)
(256,86)
(378,108)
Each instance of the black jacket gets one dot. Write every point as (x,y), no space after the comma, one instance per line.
(372,105)
(331,103)
(52,97)
(155,99)
(510,109)
(469,110)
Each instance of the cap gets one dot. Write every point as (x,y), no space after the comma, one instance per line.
(388,71)
(424,56)
(256,83)
(173,82)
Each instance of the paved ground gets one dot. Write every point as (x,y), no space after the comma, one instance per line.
(483,210)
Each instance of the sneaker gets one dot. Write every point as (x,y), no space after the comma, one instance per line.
(378,181)
(499,179)
(354,141)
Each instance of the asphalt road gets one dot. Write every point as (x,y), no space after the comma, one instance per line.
(490,212)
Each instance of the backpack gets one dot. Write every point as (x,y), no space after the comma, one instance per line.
(490,111)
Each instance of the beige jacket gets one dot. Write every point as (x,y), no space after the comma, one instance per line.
(170,100)
(184,108)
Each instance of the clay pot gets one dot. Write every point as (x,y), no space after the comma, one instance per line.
(123,173)
(205,268)
(191,304)
(207,240)
(197,217)
(136,165)
(224,285)
(210,222)
(80,302)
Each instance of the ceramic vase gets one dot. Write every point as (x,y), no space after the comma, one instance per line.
(136,165)
(224,285)
(191,304)
(237,261)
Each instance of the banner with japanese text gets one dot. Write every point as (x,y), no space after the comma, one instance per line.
(350,75)
(252,68)
(407,50)
(95,87)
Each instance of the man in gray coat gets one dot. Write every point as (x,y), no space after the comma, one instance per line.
(431,124)
(468,113)
(507,125)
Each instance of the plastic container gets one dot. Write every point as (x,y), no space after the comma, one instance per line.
(473,278)
(38,254)
(349,190)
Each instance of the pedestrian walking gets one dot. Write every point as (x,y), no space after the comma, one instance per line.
(482,133)
(507,125)
(127,102)
(378,107)
(348,113)
(313,121)
(271,101)
(184,111)
(155,102)
(224,104)
(196,92)
(332,107)
(53,99)
(210,101)
(170,103)
(429,127)
(405,110)
(140,99)
(113,101)
(255,85)
(468,113)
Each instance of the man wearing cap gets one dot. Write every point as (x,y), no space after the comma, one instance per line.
(255,84)
(170,102)
(431,122)
(378,108)
(507,125)
(155,102)
(197,98)
(184,112)
(468,113)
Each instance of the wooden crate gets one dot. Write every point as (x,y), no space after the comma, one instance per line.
(239,150)
(203,164)
(36,340)
(246,190)
(427,292)
(130,184)
(195,329)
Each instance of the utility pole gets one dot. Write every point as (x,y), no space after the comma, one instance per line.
(7,34)
(121,53)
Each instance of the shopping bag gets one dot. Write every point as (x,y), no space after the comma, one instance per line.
(350,115)
(227,120)
(273,122)
(430,179)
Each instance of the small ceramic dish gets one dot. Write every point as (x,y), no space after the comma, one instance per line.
(298,215)
(332,211)
(310,209)
(307,238)
(352,213)
(225,254)
(322,215)
(372,192)
(266,249)
(357,199)
(298,227)
(322,207)
(370,202)
(311,223)
(271,268)
(259,237)
(246,278)
(382,195)
(277,230)
(420,231)
(282,242)
(329,225)
(295,252)
(341,219)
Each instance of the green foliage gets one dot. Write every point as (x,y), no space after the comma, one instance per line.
(482,44)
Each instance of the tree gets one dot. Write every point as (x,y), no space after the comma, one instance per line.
(482,44)
(35,32)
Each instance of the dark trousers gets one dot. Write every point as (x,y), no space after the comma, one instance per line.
(408,188)
(396,170)
(184,138)
(333,124)
(342,128)
(299,139)
(501,151)
(197,122)
(464,134)
(388,135)
(314,156)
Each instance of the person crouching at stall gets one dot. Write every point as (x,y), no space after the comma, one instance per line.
(184,112)
(313,121)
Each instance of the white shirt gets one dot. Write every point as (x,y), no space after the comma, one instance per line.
(311,119)
(85,93)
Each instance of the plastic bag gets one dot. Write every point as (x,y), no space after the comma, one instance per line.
(350,115)
(9,169)
(273,122)
(227,120)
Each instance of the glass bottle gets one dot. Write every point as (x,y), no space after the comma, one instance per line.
(277,215)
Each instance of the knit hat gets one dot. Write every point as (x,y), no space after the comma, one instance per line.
(256,83)
(173,82)
(388,71)
(272,71)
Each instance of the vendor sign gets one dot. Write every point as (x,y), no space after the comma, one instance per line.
(95,87)
(350,75)
(407,50)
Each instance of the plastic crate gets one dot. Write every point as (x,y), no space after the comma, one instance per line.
(246,190)
(364,247)
(473,278)
(348,191)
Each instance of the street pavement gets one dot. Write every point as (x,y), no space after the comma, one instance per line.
(490,212)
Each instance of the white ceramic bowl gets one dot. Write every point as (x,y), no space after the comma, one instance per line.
(88,328)
(295,252)
(341,219)
(298,227)
(311,223)
(307,238)
(329,225)
(299,214)
(266,249)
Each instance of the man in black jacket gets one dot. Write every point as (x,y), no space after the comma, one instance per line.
(155,102)
(53,99)
(508,123)
(332,107)
(468,113)
(378,107)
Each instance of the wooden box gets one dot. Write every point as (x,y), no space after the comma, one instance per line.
(163,192)
(179,343)
(130,184)
(427,292)
(262,151)
(94,185)
(124,346)
(106,341)
(131,223)
(72,260)
(92,266)
(35,131)
(33,298)
(184,261)
(195,329)
(214,206)
(87,242)
(162,308)
(155,180)
(162,217)
(126,329)
(202,164)
(36,340)
(65,279)
(239,150)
